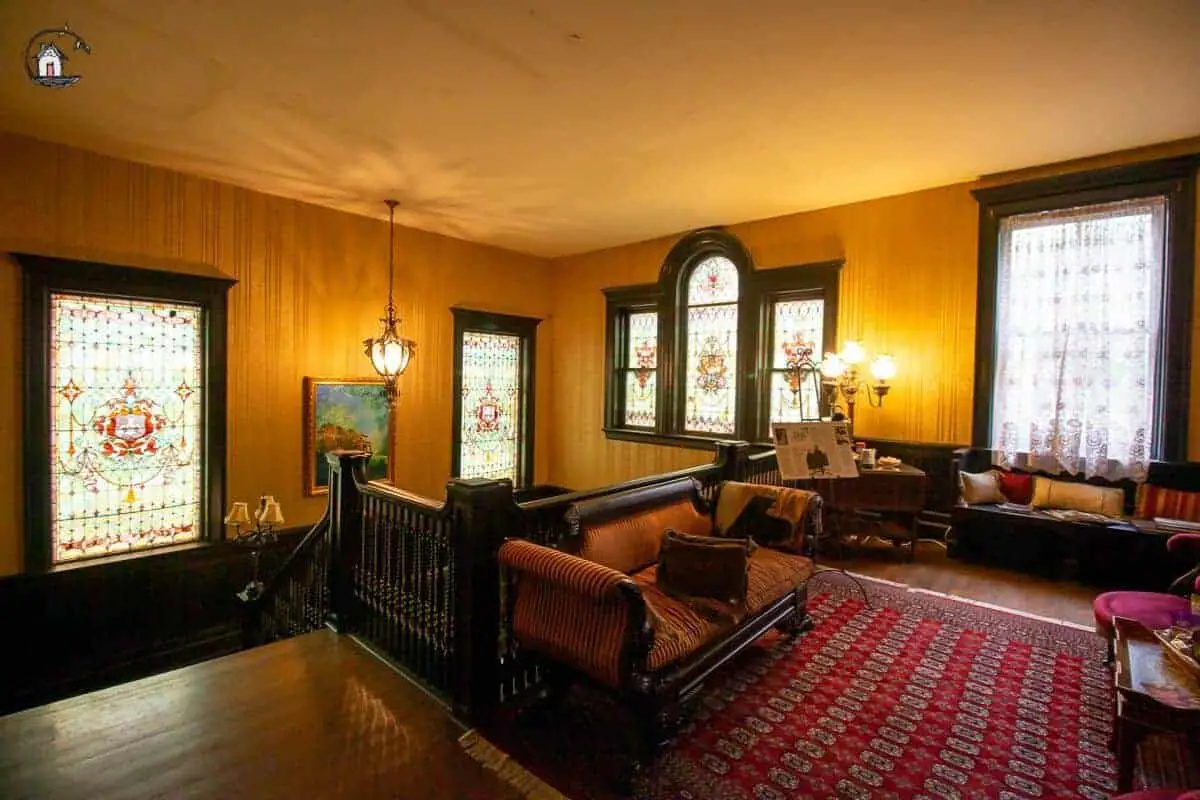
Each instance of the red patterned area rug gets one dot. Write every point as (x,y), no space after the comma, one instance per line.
(912,695)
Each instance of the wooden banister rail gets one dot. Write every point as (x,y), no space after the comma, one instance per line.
(418,580)
(295,599)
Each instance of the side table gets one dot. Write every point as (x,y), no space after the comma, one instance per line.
(1154,693)
(875,495)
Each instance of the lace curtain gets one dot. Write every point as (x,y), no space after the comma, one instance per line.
(1079,308)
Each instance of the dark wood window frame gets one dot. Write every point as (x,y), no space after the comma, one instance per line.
(1172,178)
(469,319)
(42,276)
(622,302)
(758,290)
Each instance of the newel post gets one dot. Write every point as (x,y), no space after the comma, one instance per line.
(481,515)
(732,460)
(345,532)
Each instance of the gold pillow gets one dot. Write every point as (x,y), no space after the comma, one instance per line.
(1049,493)
(980,487)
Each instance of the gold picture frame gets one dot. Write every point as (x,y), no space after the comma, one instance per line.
(346,414)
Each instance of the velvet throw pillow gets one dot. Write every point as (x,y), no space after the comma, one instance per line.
(1016,486)
(980,487)
(714,567)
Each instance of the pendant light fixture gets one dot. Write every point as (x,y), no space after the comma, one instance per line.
(389,353)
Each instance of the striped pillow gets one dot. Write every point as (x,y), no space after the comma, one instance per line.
(1158,501)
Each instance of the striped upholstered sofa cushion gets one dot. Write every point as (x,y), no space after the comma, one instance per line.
(1158,501)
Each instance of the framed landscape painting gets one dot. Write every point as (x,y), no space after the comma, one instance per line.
(350,414)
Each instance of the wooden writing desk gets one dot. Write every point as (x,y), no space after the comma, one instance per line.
(879,502)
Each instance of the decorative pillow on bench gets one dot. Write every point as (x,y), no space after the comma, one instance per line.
(705,566)
(980,487)
(1049,493)
(1158,501)
(1016,486)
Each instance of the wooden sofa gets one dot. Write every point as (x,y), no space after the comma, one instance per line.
(1114,554)
(597,613)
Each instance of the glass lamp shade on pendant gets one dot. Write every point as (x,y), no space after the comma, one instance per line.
(390,353)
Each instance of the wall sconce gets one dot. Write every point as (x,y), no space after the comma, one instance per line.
(260,531)
(839,373)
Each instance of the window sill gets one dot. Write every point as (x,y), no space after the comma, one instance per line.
(168,555)
(667,439)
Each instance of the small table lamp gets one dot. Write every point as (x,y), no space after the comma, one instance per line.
(267,517)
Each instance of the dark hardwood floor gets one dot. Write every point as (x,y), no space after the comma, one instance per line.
(933,570)
(316,716)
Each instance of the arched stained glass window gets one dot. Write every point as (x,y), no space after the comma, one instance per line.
(705,352)
(710,404)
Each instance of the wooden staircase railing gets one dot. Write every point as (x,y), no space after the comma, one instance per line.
(418,580)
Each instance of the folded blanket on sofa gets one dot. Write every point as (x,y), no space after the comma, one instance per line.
(786,505)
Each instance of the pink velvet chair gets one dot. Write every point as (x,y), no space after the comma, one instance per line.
(1152,609)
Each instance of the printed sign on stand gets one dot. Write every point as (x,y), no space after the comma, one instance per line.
(807,450)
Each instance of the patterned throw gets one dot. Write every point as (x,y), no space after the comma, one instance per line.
(787,505)
(918,696)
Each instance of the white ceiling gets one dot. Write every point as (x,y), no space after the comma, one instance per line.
(561,126)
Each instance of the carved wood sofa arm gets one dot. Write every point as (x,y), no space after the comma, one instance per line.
(583,614)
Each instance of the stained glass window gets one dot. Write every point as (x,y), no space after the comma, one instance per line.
(717,319)
(490,427)
(641,369)
(712,322)
(798,336)
(126,408)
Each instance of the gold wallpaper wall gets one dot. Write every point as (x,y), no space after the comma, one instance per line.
(311,284)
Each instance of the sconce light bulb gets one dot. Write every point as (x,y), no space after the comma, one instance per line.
(832,366)
(883,368)
(852,353)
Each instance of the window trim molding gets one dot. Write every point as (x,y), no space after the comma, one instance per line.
(620,302)
(799,282)
(43,275)
(757,289)
(1174,178)
(677,267)
(472,319)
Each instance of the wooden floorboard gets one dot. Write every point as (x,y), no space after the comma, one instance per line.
(316,716)
(932,569)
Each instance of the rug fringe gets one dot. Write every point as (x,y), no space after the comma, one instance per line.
(512,773)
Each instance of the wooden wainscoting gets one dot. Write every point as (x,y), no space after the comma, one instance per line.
(92,626)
